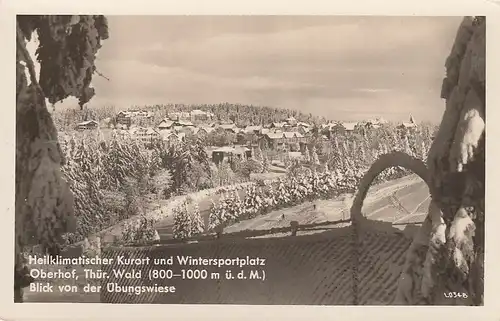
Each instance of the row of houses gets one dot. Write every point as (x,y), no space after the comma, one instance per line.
(126,117)
(277,135)
(150,135)
(193,116)
(283,141)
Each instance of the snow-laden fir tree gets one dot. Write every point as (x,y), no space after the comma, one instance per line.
(218,213)
(314,156)
(252,203)
(234,206)
(282,193)
(315,184)
(182,222)
(265,163)
(293,188)
(197,225)
(257,154)
(269,197)
(68,45)
(307,155)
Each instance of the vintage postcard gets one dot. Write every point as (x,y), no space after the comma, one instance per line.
(250,161)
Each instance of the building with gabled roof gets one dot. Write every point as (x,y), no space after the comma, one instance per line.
(165,124)
(229,127)
(88,124)
(282,140)
(228,154)
(253,129)
(410,124)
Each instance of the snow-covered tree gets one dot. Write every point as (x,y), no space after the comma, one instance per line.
(253,202)
(218,214)
(257,154)
(265,163)
(314,157)
(197,223)
(307,155)
(182,228)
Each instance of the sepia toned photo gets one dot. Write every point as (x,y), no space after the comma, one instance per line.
(250,160)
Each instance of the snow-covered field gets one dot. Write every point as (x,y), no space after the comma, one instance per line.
(400,201)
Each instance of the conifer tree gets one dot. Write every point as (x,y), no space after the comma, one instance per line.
(265,163)
(307,155)
(258,155)
(314,157)
(197,225)
(182,228)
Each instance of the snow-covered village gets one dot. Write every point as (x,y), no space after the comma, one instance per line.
(326,163)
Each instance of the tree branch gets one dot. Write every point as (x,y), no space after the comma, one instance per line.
(27,58)
(100,74)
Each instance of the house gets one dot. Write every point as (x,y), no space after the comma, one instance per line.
(179,116)
(89,124)
(200,115)
(344,127)
(142,113)
(146,135)
(406,128)
(330,125)
(276,125)
(165,124)
(124,118)
(302,130)
(203,131)
(291,121)
(169,136)
(410,124)
(185,116)
(302,124)
(295,140)
(375,123)
(282,140)
(349,126)
(183,123)
(190,129)
(180,129)
(272,140)
(242,152)
(229,128)
(293,137)
(121,133)
(173,116)
(228,154)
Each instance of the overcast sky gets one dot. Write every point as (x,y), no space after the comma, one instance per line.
(343,68)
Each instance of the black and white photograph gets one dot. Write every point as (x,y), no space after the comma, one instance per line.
(314,160)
